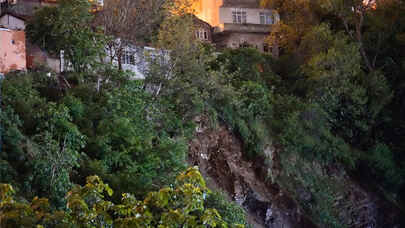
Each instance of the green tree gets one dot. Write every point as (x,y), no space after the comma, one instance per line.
(297,18)
(180,205)
(128,22)
(352,98)
(58,143)
(68,28)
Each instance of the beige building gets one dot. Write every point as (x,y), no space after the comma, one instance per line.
(238,23)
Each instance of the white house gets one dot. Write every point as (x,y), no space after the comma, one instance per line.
(12,21)
(136,59)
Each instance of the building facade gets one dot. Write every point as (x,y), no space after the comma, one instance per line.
(238,23)
(203,30)
(12,50)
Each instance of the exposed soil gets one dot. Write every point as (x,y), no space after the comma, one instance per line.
(219,155)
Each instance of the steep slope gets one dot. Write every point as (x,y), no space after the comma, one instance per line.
(218,153)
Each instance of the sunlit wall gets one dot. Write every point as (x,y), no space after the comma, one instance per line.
(208,11)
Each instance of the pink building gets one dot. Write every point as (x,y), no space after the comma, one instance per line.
(12,50)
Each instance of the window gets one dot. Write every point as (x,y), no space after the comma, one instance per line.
(267,48)
(201,34)
(239,16)
(244,45)
(128,57)
(266,18)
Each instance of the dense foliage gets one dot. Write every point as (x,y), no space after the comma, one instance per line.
(182,205)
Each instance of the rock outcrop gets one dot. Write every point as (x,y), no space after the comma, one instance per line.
(219,155)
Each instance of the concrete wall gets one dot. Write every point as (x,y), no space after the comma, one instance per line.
(243,28)
(12,50)
(235,40)
(12,22)
(54,64)
(40,58)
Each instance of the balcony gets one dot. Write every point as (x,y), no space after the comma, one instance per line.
(245,28)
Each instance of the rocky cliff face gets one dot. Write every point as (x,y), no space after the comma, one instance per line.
(218,153)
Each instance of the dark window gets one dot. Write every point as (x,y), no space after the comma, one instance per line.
(244,45)
(267,48)
(266,19)
(239,16)
(128,57)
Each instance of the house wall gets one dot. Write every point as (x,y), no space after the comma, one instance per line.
(252,14)
(12,50)
(53,63)
(208,11)
(235,40)
(226,33)
(142,57)
(138,54)
(12,22)
(38,58)
(200,27)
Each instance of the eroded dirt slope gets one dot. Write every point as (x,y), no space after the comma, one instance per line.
(218,153)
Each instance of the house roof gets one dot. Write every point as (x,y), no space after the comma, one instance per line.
(21,17)
(197,20)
